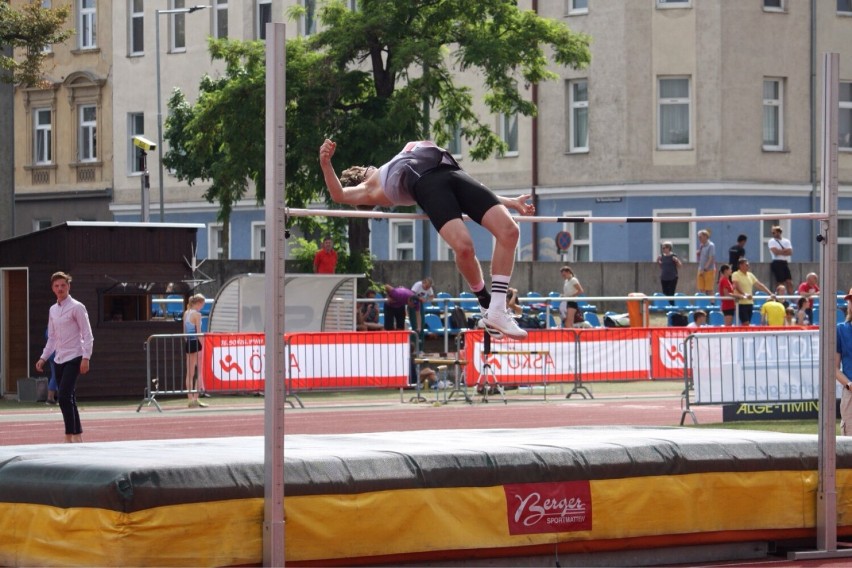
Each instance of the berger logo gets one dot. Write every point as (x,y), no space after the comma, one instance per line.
(549,507)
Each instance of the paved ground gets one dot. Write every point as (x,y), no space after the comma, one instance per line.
(640,404)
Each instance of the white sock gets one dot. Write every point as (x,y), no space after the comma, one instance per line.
(499,287)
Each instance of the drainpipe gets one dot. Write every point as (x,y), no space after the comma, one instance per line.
(534,165)
(813,158)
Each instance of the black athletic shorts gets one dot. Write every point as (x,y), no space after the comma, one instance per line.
(781,270)
(446,192)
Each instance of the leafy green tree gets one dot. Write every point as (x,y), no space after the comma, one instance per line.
(29,29)
(369,80)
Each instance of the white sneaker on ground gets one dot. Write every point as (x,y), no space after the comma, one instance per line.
(503,322)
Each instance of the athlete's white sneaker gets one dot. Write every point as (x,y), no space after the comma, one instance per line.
(504,323)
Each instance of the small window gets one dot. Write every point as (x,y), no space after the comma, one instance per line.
(844,117)
(508,127)
(220,19)
(844,237)
(402,240)
(258,241)
(773,5)
(215,247)
(47,5)
(773,114)
(578,7)
(87,24)
(177,28)
(454,146)
(88,142)
(680,234)
(39,224)
(674,113)
(578,113)
(136,33)
(844,7)
(581,238)
(43,138)
(309,20)
(674,3)
(135,127)
(264,16)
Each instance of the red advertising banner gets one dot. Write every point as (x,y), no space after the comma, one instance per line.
(236,362)
(535,508)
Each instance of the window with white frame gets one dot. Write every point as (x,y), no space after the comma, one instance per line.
(581,238)
(674,113)
(454,146)
(177,27)
(508,132)
(135,127)
(844,7)
(47,48)
(402,240)
(673,4)
(136,28)
(87,24)
(844,116)
(88,134)
(353,5)
(220,19)
(258,240)
(39,224)
(215,248)
(444,250)
(264,16)
(844,236)
(773,114)
(578,115)
(577,7)
(766,231)
(43,136)
(309,19)
(773,5)
(679,233)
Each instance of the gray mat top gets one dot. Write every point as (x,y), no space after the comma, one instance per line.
(137,475)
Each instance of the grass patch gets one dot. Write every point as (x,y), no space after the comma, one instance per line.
(783,426)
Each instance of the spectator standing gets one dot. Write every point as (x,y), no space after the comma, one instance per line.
(69,338)
(192,326)
(807,290)
(737,251)
(706,256)
(781,250)
(571,288)
(843,374)
(726,289)
(423,292)
(773,312)
(325,260)
(744,284)
(397,299)
(669,264)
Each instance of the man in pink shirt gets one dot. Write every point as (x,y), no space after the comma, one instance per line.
(69,337)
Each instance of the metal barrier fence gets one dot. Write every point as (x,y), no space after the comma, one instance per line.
(234,363)
(751,367)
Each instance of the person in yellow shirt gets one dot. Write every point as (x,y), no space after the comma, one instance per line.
(744,284)
(773,312)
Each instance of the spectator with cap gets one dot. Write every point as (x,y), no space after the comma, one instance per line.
(781,250)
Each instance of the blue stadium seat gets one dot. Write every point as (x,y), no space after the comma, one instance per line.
(592,319)
(470,303)
(658,305)
(715,317)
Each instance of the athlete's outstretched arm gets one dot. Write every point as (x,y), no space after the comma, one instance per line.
(368,192)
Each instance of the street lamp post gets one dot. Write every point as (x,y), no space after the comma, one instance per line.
(160,97)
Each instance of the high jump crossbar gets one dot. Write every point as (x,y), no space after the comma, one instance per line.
(352,213)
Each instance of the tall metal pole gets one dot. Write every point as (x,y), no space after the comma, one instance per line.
(273,518)
(159,119)
(826,505)
(157,15)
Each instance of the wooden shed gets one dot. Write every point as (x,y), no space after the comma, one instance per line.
(119,270)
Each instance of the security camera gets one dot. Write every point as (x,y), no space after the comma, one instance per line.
(144,144)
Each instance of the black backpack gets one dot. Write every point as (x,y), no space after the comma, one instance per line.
(458,319)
